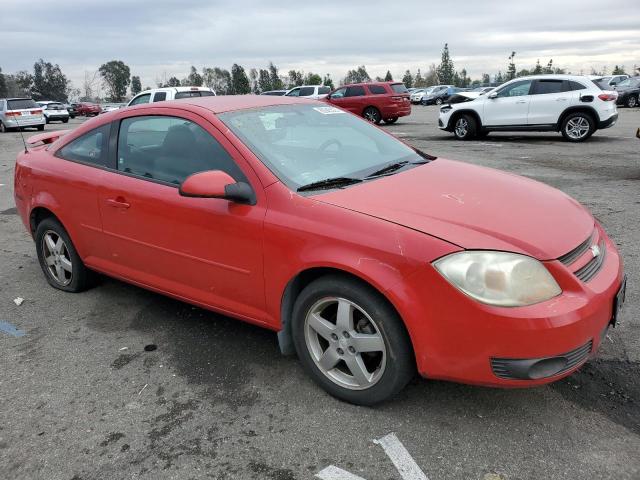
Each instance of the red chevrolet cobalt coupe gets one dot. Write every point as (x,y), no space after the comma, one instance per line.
(370,259)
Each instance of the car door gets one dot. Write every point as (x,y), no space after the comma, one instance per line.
(208,251)
(159,97)
(549,98)
(309,92)
(294,92)
(510,106)
(354,100)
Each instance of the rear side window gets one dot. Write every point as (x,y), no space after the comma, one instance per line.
(355,91)
(169,149)
(160,96)
(543,87)
(141,99)
(21,104)
(377,89)
(399,88)
(207,93)
(571,85)
(90,148)
(323,90)
(306,91)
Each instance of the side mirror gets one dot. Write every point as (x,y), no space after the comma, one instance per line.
(493,95)
(216,184)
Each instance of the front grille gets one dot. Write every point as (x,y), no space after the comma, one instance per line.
(589,271)
(573,255)
(519,369)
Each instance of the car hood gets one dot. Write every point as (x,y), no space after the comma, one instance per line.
(473,207)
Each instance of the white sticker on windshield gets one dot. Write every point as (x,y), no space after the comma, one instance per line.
(328,110)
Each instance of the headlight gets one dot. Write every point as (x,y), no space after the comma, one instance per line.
(499,278)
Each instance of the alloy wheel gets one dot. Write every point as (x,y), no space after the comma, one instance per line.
(632,101)
(57,258)
(577,128)
(372,115)
(345,343)
(462,127)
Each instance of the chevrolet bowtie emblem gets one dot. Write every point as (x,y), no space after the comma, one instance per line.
(595,249)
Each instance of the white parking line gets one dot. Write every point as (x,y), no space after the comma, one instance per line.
(335,473)
(403,461)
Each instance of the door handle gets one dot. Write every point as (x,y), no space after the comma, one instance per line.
(118,203)
(563,99)
(521,101)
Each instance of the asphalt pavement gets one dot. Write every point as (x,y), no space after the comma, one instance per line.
(81,398)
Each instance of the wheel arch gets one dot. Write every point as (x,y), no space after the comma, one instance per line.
(38,214)
(458,113)
(576,109)
(298,283)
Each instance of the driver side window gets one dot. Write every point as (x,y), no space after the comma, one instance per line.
(294,93)
(339,93)
(141,99)
(516,89)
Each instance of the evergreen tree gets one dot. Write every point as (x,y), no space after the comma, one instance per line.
(511,69)
(499,79)
(276,82)
(407,79)
(295,78)
(445,70)
(239,80)
(327,81)
(486,79)
(194,79)
(136,86)
(618,70)
(418,81)
(388,77)
(253,79)
(4,91)
(173,82)
(264,81)
(549,68)
(537,70)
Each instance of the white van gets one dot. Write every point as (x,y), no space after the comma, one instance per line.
(170,93)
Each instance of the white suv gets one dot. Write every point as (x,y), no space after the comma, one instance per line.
(317,92)
(573,105)
(170,93)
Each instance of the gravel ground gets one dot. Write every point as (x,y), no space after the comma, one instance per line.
(81,399)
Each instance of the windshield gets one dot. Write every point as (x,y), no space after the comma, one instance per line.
(21,104)
(55,106)
(303,144)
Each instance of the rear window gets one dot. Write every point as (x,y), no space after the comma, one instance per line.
(180,95)
(55,106)
(377,89)
(21,104)
(323,90)
(306,91)
(206,93)
(399,88)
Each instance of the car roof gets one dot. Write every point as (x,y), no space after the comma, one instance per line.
(176,89)
(228,103)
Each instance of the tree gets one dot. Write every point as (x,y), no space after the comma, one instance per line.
(464,80)
(431,78)
(511,69)
(239,80)
(88,85)
(173,82)
(295,78)
(253,80)
(537,70)
(218,79)
(276,82)
(264,80)
(618,70)
(549,68)
(327,81)
(445,70)
(359,75)
(407,79)
(49,83)
(136,86)
(4,91)
(194,79)
(418,81)
(499,79)
(312,79)
(116,77)
(388,77)
(486,79)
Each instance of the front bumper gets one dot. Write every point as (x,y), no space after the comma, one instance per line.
(456,338)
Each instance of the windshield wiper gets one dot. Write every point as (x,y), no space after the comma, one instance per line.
(336,182)
(392,167)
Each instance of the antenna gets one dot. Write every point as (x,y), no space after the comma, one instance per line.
(22,136)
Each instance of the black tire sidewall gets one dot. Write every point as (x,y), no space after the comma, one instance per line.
(630,99)
(377,112)
(80,278)
(400,366)
(589,118)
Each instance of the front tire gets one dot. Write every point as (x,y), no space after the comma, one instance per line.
(62,266)
(632,101)
(577,127)
(372,114)
(465,127)
(351,341)
(439,101)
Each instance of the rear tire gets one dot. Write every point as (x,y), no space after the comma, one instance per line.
(465,127)
(3,129)
(351,341)
(372,114)
(577,127)
(65,120)
(62,266)
(439,101)
(391,120)
(632,101)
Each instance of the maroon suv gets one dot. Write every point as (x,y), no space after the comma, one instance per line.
(88,109)
(374,101)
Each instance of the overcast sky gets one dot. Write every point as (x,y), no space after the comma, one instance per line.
(164,37)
